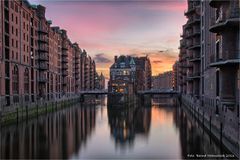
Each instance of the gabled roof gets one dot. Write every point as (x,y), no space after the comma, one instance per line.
(127,60)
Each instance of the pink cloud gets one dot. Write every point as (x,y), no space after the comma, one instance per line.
(130,28)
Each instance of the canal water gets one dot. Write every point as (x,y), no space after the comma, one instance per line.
(94,131)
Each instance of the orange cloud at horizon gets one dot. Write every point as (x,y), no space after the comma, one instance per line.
(161,61)
(105,29)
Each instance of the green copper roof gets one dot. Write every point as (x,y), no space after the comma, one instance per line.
(49,22)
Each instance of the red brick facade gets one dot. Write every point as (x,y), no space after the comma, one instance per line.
(38,61)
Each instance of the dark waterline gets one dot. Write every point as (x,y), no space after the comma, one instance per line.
(92,131)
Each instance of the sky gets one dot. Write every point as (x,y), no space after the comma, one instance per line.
(105,28)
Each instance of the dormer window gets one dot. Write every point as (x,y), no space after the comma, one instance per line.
(122,64)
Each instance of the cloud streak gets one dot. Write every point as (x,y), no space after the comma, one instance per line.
(108,28)
(101,58)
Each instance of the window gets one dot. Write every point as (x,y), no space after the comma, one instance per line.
(15,81)
(12,5)
(16,20)
(16,8)
(122,64)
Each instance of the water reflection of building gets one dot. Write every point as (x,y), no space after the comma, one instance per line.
(57,135)
(126,124)
(161,100)
(194,139)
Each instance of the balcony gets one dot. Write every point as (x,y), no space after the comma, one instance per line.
(64,53)
(195,45)
(77,62)
(190,10)
(64,73)
(225,21)
(64,66)
(188,66)
(77,72)
(42,39)
(192,33)
(64,46)
(43,48)
(215,3)
(195,75)
(194,58)
(42,57)
(64,81)
(193,20)
(227,60)
(64,60)
(77,67)
(42,30)
(43,66)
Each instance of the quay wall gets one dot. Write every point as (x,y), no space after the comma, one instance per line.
(214,126)
(23,111)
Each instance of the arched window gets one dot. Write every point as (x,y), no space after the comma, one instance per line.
(15,80)
(26,81)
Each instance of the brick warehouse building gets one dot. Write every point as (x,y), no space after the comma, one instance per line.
(38,61)
(128,75)
(209,75)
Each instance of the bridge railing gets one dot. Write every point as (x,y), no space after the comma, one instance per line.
(93,91)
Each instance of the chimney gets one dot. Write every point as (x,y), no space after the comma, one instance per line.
(115,59)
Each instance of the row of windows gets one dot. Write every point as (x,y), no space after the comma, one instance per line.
(15,80)
(15,8)
(25,47)
(16,19)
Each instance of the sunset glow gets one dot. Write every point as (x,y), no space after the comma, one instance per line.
(111,28)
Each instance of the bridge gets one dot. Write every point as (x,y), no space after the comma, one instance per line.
(94,92)
(146,92)
(158,92)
